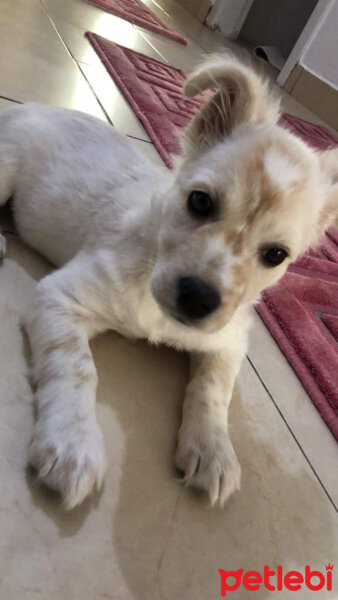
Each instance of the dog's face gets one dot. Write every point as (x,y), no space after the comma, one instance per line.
(247,200)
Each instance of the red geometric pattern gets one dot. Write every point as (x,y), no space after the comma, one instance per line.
(153,90)
(301,311)
(138,13)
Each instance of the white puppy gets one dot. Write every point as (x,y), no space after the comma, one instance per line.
(174,257)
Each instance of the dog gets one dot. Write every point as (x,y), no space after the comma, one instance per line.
(174,257)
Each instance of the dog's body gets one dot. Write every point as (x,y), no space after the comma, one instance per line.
(119,228)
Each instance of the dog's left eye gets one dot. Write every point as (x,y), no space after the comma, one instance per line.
(200,204)
(273,256)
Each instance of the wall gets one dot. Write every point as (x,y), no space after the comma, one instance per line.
(321,54)
(229,16)
(277,22)
(198,8)
(312,73)
(302,43)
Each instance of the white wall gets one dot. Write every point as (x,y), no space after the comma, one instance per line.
(320,57)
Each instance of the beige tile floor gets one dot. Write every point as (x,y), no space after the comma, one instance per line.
(144,537)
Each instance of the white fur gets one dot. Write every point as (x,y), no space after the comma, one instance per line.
(282,172)
(119,231)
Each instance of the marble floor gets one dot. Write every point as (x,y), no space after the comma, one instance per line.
(145,537)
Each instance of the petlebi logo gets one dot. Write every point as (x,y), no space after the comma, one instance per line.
(276,580)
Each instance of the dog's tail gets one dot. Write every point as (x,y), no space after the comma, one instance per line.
(246,92)
(239,95)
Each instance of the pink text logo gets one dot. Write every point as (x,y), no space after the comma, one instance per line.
(276,580)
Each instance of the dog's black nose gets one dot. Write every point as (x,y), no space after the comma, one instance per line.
(196,298)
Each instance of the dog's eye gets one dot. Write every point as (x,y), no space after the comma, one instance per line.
(200,204)
(273,256)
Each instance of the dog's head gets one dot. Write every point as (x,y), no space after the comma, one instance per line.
(248,198)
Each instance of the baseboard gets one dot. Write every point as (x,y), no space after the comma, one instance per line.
(314,93)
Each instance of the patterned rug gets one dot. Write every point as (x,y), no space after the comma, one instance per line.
(154,91)
(301,312)
(139,14)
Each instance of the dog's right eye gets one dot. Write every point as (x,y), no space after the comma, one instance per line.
(200,204)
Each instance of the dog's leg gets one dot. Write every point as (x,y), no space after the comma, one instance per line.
(205,453)
(67,446)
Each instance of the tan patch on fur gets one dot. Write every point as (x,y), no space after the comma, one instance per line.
(84,371)
(257,195)
(235,241)
(264,195)
(241,274)
(68,344)
(82,378)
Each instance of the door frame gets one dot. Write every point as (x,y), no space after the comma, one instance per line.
(314,22)
(238,11)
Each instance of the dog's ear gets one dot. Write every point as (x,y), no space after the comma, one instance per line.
(329,166)
(240,96)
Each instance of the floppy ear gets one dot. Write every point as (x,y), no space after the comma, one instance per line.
(241,96)
(329,165)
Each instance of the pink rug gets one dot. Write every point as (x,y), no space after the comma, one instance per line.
(314,135)
(139,14)
(154,91)
(301,312)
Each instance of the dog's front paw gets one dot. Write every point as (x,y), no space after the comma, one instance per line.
(69,458)
(208,460)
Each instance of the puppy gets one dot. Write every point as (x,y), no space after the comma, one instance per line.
(175,257)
